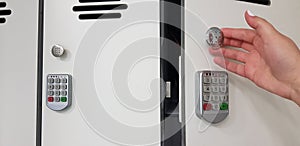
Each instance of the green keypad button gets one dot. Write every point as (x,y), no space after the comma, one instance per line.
(224,106)
(63,99)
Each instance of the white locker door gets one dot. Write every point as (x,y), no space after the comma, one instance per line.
(256,117)
(111,50)
(18,65)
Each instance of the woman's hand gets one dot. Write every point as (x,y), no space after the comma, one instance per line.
(269,59)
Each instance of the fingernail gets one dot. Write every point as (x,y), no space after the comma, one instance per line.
(250,13)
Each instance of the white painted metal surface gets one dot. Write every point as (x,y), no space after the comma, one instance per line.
(256,117)
(18,59)
(114,64)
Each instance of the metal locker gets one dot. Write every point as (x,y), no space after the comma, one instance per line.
(123,73)
(18,63)
(109,54)
(256,117)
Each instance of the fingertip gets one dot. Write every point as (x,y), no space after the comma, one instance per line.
(213,50)
(259,24)
(216,52)
(248,12)
(227,32)
(249,18)
(224,30)
(218,60)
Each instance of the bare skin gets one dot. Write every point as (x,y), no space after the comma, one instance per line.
(270,59)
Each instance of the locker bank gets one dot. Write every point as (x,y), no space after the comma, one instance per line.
(132,72)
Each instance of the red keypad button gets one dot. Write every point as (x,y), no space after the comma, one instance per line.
(207,106)
(50,99)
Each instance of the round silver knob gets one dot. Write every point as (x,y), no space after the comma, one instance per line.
(57,51)
(214,37)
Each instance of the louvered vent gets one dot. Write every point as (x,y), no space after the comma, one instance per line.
(261,2)
(4,12)
(99,9)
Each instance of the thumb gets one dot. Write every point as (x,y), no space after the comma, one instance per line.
(262,26)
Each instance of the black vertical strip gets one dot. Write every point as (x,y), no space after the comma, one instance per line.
(39,74)
(172,131)
(2,4)
(182,38)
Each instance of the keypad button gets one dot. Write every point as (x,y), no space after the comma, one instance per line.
(57,93)
(57,87)
(50,93)
(215,97)
(50,99)
(215,89)
(64,80)
(63,93)
(50,80)
(64,87)
(57,99)
(214,80)
(57,80)
(216,107)
(223,89)
(207,106)
(63,99)
(206,97)
(207,80)
(222,80)
(51,87)
(223,97)
(224,106)
(207,88)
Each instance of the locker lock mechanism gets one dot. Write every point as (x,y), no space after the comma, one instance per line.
(214,37)
(212,96)
(57,51)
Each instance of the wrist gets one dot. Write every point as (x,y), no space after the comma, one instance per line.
(295,85)
(295,95)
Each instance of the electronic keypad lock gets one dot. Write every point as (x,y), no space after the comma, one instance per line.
(212,95)
(59,91)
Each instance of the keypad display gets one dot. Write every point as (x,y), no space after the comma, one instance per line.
(59,91)
(212,95)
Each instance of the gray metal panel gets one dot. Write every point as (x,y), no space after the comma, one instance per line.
(18,63)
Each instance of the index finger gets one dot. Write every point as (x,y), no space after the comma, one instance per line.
(246,35)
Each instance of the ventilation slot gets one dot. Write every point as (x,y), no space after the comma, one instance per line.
(99,7)
(100,10)
(2,4)
(262,2)
(2,20)
(99,16)
(4,12)
(90,1)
